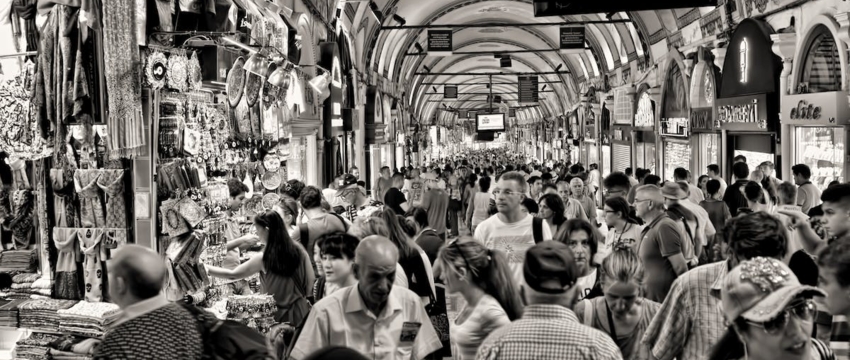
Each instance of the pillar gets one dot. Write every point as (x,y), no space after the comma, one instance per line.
(785,45)
(312,154)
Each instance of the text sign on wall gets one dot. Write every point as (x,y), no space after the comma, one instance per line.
(645,116)
(450,92)
(440,42)
(826,108)
(572,39)
(528,89)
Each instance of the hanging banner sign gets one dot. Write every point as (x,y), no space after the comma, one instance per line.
(440,42)
(529,91)
(577,7)
(572,39)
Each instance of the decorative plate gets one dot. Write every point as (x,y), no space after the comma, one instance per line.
(196,76)
(253,85)
(271,180)
(236,82)
(191,141)
(271,162)
(178,72)
(156,68)
(270,200)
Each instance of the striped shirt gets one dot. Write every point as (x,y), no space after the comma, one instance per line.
(689,322)
(514,239)
(548,332)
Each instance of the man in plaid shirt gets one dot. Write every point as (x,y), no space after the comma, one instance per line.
(549,328)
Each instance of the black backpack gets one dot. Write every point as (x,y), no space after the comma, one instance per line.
(227,339)
(537,229)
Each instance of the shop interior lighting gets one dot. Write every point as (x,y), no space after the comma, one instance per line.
(427,69)
(280,76)
(544,87)
(257,65)
(379,16)
(321,84)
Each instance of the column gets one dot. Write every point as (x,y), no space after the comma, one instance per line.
(785,45)
(312,154)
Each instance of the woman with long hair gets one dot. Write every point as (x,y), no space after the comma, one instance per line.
(551,208)
(288,210)
(623,230)
(622,313)
(583,240)
(483,277)
(411,257)
(284,267)
(479,204)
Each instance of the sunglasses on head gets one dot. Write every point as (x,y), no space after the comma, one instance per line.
(804,310)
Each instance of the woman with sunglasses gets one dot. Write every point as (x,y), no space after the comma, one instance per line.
(622,313)
(623,230)
(483,277)
(770,314)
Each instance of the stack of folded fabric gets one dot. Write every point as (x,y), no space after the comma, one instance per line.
(22,286)
(88,319)
(71,347)
(9,312)
(35,347)
(42,313)
(18,260)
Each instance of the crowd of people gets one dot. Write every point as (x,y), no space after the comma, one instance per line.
(549,261)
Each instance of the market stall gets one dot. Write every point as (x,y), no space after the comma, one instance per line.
(644,132)
(705,132)
(674,125)
(620,133)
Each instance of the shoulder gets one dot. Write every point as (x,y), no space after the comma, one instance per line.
(333,301)
(700,276)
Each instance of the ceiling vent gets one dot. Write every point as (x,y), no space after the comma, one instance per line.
(493,30)
(493,9)
(490,46)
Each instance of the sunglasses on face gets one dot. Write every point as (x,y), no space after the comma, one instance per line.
(802,310)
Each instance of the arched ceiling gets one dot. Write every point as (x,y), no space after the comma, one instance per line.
(609,46)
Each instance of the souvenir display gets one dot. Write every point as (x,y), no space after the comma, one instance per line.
(156,67)
(236,78)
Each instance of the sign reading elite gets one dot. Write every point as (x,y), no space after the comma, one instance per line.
(440,42)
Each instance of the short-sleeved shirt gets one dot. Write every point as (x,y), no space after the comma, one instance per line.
(436,203)
(630,236)
(393,199)
(415,190)
(512,238)
(402,330)
(808,196)
(662,238)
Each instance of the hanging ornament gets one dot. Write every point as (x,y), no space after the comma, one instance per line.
(196,76)
(156,68)
(236,82)
(177,72)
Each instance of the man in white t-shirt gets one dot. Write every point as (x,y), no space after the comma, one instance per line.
(511,230)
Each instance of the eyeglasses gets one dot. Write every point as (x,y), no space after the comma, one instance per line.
(641,200)
(802,310)
(505,192)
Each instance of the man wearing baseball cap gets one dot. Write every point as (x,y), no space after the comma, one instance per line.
(356,197)
(548,329)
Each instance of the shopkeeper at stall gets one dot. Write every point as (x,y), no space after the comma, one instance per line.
(236,241)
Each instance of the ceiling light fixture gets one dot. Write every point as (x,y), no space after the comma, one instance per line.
(419,48)
(427,69)
(544,87)
(435,88)
(257,65)
(505,61)
(321,85)
(400,20)
(559,67)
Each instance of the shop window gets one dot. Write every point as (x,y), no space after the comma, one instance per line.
(822,67)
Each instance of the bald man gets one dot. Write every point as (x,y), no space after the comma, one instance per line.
(150,327)
(580,193)
(373,317)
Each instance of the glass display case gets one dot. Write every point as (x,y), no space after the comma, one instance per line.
(822,149)
(709,145)
(677,154)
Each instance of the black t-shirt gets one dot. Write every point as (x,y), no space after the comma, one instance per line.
(394,198)
(804,267)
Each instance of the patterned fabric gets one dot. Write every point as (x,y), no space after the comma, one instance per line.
(112,183)
(64,199)
(91,204)
(66,282)
(165,333)
(548,332)
(90,240)
(22,224)
(689,321)
(123,81)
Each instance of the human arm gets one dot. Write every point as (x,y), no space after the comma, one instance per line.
(250,267)
(670,243)
(244,241)
(810,240)
(670,328)
(470,210)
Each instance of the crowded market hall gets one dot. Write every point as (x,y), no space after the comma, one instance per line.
(341,179)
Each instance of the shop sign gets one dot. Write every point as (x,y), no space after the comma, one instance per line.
(750,66)
(645,116)
(674,127)
(827,108)
(749,112)
(702,119)
(572,39)
(440,42)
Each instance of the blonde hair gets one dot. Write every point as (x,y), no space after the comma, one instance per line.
(623,265)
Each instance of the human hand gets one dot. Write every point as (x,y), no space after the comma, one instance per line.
(798,219)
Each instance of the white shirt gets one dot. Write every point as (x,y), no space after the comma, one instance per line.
(474,324)
(512,238)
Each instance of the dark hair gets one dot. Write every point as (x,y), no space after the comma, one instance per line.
(338,244)
(311,197)
(741,158)
(756,234)
(714,168)
(652,180)
(548,186)
(837,193)
(836,256)
(642,173)
(282,255)
(556,204)
(236,187)
(141,286)
(397,234)
(699,180)
(546,177)
(574,225)
(484,183)
(384,168)
(620,205)
(833,183)
(680,173)
(294,189)
(803,170)
(408,226)
(741,170)
(290,207)
(533,180)
(487,268)
(530,205)
(628,171)
(787,192)
(712,186)
(729,346)
(754,192)
(419,215)
(617,179)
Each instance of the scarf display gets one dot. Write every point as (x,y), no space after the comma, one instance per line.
(123,81)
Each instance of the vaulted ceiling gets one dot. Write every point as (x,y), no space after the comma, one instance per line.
(608,47)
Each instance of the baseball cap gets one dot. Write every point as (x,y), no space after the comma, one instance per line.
(550,267)
(671,190)
(759,289)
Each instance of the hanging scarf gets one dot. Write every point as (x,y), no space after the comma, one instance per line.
(123,85)
(25,9)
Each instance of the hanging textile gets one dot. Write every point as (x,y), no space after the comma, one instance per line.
(123,82)
(91,206)
(19,129)
(90,240)
(19,174)
(22,223)
(66,283)
(64,199)
(25,9)
(112,183)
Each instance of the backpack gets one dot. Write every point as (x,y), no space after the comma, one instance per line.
(537,229)
(305,232)
(227,339)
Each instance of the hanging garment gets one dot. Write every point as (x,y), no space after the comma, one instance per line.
(121,61)
(90,244)
(91,207)
(21,224)
(66,280)
(64,199)
(114,238)
(19,174)
(112,183)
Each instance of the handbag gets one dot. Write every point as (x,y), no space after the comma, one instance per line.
(439,316)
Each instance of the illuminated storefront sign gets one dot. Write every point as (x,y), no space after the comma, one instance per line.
(826,108)
(744,58)
(806,111)
(645,116)
(742,113)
